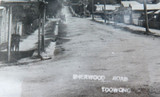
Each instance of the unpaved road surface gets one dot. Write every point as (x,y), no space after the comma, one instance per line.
(91,49)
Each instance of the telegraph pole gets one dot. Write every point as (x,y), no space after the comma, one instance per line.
(146,16)
(43,28)
(39,36)
(92,9)
(105,11)
(84,10)
(9,33)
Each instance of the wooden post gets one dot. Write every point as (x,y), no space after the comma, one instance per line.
(131,14)
(9,33)
(146,16)
(84,8)
(43,28)
(105,11)
(39,37)
(92,9)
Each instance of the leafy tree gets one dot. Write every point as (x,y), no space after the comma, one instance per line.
(53,7)
(89,7)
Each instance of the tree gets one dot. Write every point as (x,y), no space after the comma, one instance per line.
(53,7)
(107,1)
(89,7)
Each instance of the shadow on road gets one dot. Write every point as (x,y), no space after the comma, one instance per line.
(16,55)
(139,32)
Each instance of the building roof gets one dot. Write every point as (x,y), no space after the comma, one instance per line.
(18,0)
(1,7)
(157,12)
(138,6)
(127,3)
(100,7)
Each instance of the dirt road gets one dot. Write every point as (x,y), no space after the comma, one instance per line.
(97,61)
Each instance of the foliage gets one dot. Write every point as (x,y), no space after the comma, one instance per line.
(53,7)
(98,1)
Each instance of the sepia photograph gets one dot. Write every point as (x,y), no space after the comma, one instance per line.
(79,48)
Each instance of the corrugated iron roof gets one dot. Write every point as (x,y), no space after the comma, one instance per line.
(1,7)
(108,7)
(138,6)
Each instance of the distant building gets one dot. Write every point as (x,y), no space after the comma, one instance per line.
(20,0)
(136,6)
(17,19)
(148,1)
(137,14)
(3,25)
(109,7)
